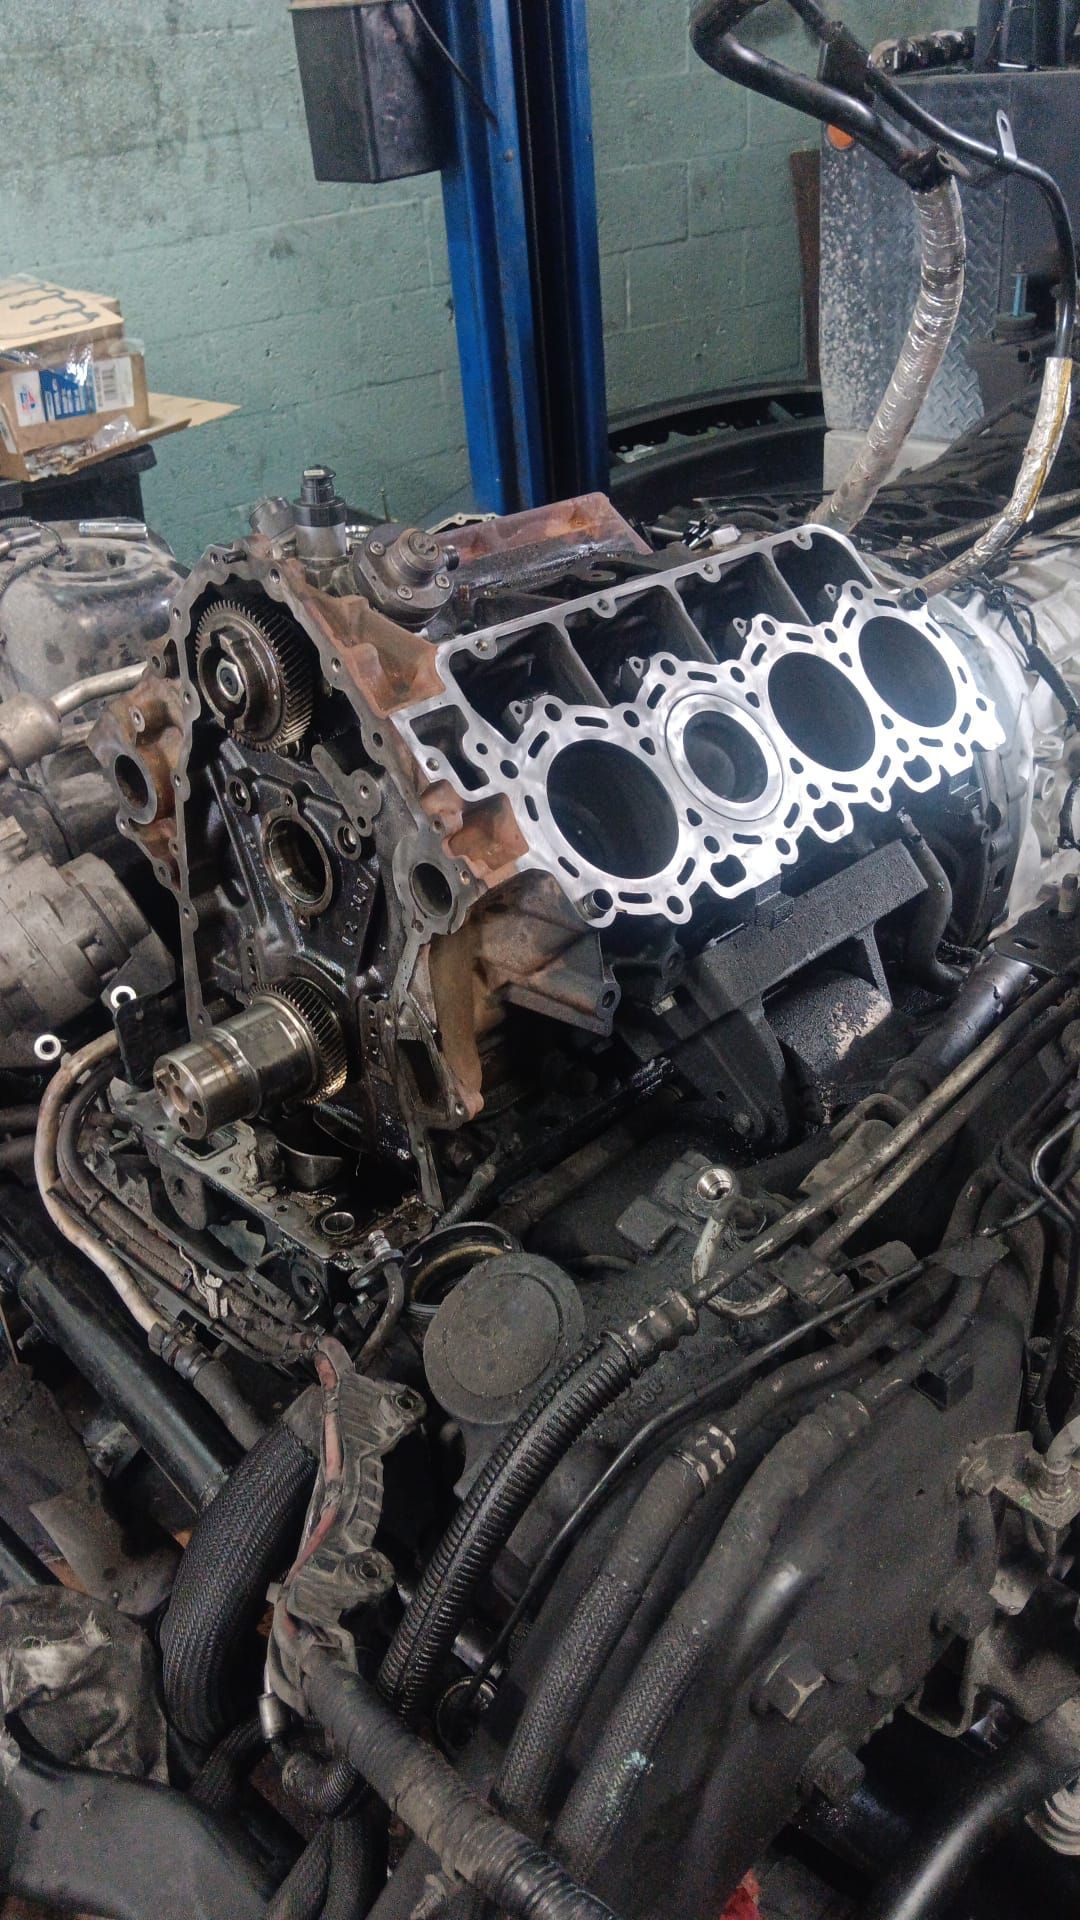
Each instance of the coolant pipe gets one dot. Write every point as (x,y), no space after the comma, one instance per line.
(994,985)
(928,1876)
(940,221)
(183,1438)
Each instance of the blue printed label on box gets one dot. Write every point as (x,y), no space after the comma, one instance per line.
(67,392)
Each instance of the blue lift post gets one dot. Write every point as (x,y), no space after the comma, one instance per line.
(520,200)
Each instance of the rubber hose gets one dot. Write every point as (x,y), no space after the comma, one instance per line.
(357,1865)
(322,1787)
(237,1547)
(218,1782)
(17,1155)
(932,916)
(1035,1764)
(302,1893)
(568,1405)
(66,1299)
(446,1816)
(510,1478)
(993,986)
(608,1605)
(602,1795)
(708,1609)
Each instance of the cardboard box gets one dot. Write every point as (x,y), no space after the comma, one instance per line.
(167,413)
(67,373)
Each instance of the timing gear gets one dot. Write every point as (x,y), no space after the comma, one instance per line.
(253,674)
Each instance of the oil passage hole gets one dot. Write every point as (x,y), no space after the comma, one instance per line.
(611,809)
(724,757)
(821,712)
(907,671)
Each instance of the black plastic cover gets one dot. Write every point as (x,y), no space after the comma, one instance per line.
(371,89)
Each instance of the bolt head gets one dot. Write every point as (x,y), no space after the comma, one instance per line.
(790,1685)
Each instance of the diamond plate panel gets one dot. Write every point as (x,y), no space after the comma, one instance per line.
(869,268)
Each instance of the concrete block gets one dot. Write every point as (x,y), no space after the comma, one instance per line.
(672,283)
(772,268)
(613,293)
(654,38)
(738,190)
(642,206)
(641,118)
(666,362)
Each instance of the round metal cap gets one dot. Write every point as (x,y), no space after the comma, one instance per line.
(498,1335)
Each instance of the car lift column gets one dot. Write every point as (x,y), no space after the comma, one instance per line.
(520,199)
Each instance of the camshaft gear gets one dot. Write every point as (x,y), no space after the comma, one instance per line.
(311,1004)
(253,672)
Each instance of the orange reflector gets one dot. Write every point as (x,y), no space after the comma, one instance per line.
(837,138)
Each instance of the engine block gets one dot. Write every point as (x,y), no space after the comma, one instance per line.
(384,838)
(681,732)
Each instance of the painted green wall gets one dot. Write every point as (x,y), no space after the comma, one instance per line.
(156,149)
(697,218)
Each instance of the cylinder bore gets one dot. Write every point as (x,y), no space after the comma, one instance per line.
(725,758)
(611,809)
(297,863)
(906,670)
(823,714)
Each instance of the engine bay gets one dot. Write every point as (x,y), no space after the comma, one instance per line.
(539,1237)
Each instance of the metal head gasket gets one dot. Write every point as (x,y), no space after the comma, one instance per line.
(682,730)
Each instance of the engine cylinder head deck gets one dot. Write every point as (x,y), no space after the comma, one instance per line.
(655,740)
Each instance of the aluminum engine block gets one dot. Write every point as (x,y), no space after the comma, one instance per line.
(681,730)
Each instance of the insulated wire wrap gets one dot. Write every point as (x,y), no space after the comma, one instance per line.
(47,1175)
(421,1787)
(941,289)
(1040,453)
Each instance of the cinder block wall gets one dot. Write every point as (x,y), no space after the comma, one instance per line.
(697,217)
(157,149)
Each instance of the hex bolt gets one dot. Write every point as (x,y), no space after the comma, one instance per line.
(790,1684)
(1069,896)
(367,1569)
(833,1771)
